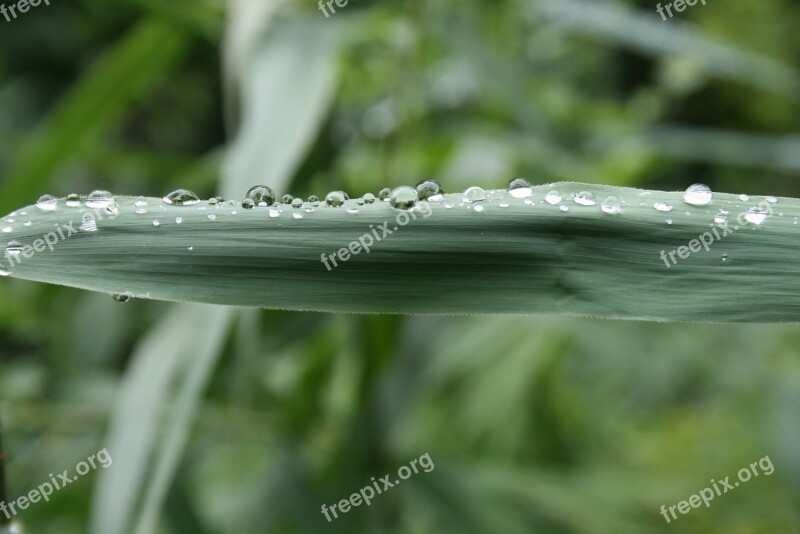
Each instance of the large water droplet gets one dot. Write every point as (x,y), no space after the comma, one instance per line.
(755,215)
(662,206)
(99,199)
(181,197)
(429,190)
(335,199)
(698,195)
(474,194)
(403,197)
(585,198)
(520,188)
(47,203)
(611,204)
(262,195)
(553,197)
(14,248)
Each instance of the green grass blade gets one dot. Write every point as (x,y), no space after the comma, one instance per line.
(527,258)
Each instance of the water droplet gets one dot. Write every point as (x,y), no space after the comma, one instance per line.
(47,203)
(447,205)
(181,197)
(744,198)
(297,202)
(335,199)
(585,198)
(384,193)
(121,298)
(662,206)
(27,223)
(112,209)
(528,202)
(99,199)
(14,248)
(429,190)
(725,258)
(156,223)
(403,197)
(212,217)
(88,225)
(474,194)
(520,188)
(755,215)
(178,220)
(191,249)
(721,217)
(140,202)
(478,208)
(563,208)
(3,272)
(697,195)
(669,221)
(262,195)
(771,199)
(313,198)
(141,211)
(248,203)
(352,210)
(611,204)
(369,198)
(297,215)
(7,229)
(274,213)
(553,197)
(503,204)
(73,200)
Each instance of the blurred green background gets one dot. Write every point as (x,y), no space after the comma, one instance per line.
(239,421)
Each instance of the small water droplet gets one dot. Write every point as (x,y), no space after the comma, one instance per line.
(429,190)
(563,208)
(744,198)
(248,203)
(352,210)
(297,215)
(403,197)
(122,298)
(274,213)
(262,195)
(335,199)
(755,215)
(474,194)
(73,200)
(47,203)
(662,206)
(99,199)
(313,198)
(88,225)
(447,205)
(698,195)
(14,248)
(369,198)
(771,199)
(27,223)
(584,198)
(112,209)
(7,229)
(503,204)
(181,197)
(156,223)
(212,217)
(669,221)
(384,193)
(520,188)
(725,258)
(191,249)
(611,204)
(297,202)
(178,220)
(4,273)
(478,208)
(553,197)
(721,217)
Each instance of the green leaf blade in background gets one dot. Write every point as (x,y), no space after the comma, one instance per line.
(528,258)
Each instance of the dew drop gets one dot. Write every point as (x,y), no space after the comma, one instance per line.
(190,249)
(156,223)
(429,190)
(181,197)
(274,213)
(262,195)
(611,204)
(369,198)
(503,204)
(73,200)
(287,199)
(585,198)
(297,215)
(14,248)
(553,197)
(178,220)
(248,203)
(352,210)
(447,205)
(88,225)
(7,229)
(403,197)
(721,217)
(212,217)
(669,221)
(520,188)
(335,199)
(121,298)
(140,202)
(662,206)
(474,194)
(771,199)
(697,195)
(478,208)
(297,202)
(384,194)
(744,198)
(755,215)
(563,208)
(99,199)
(313,198)
(47,203)
(3,272)
(725,258)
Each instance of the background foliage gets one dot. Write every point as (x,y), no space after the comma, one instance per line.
(224,420)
